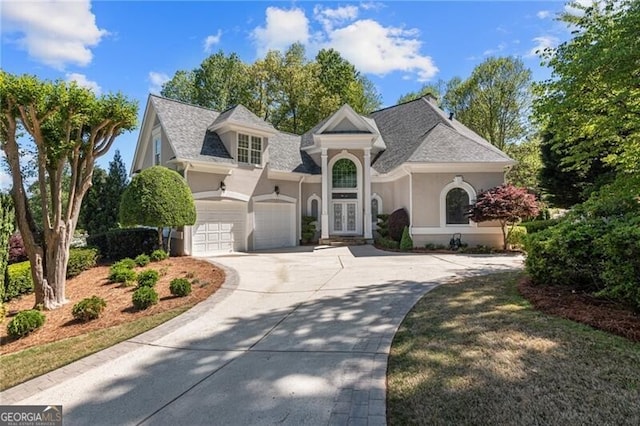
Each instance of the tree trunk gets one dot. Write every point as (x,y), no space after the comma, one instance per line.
(160,240)
(57,255)
(503,228)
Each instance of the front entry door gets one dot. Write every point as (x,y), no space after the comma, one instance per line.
(344,217)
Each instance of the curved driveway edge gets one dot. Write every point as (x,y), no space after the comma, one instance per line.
(303,338)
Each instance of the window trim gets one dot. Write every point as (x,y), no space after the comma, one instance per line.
(315,197)
(156,141)
(250,150)
(378,198)
(458,182)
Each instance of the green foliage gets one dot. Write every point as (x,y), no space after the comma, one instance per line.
(142,260)
(591,105)
(158,255)
(538,225)
(293,93)
(180,287)
(81,259)
(383,225)
(428,89)
(493,101)
(398,220)
(406,243)
(595,247)
(19,280)
(308,229)
(24,323)
(525,173)
(67,129)
(127,242)
(148,278)
(127,263)
(516,236)
(101,207)
(144,297)
(7,219)
(88,309)
(434,246)
(387,243)
(121,274)
(158,197)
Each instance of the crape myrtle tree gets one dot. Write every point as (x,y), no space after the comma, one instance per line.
(506,204)
(66,126)
(158,197)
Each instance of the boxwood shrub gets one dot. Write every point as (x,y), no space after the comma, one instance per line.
(148,278)
(19,280)
(121,274)
(89,308)
(81,259)
(159,255)
(25,322)
(142,260)
(180,287)
(144,297)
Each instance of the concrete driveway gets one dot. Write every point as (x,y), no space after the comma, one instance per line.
(296,337)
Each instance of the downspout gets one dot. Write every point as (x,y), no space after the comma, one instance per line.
(299,220)
(410,200)
(186,230)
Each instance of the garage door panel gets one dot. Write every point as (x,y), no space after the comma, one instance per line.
(220,227)
(274,225)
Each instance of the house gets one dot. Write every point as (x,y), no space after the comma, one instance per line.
(252,183)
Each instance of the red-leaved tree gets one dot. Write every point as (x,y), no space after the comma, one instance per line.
(506,204)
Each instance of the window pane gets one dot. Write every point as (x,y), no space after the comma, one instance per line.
(255,157)
(243,141)
(374,211)
(243,155)
(344,174)
(457,203)
(256,143)
(314,209)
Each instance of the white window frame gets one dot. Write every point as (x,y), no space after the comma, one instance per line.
(458,182)
(310,200)
(374,221)
(251,150)
(156,141)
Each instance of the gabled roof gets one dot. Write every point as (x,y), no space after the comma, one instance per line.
(407,128)
(285,155)
(239,114)
(186,128)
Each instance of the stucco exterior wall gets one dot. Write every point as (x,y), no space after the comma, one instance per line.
(491,240)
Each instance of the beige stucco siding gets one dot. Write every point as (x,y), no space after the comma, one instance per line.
(202,182)
(400,194)
(428,186)
(166,153)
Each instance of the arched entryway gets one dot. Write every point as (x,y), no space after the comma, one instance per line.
(345,210)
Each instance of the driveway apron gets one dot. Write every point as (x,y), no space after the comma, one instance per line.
(293,337)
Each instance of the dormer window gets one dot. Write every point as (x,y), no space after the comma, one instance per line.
(249,149)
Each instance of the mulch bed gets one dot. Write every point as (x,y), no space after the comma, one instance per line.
(581,307)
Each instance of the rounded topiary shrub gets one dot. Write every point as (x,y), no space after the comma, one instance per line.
(25,322)
(397,221)
(180,287)
(144,297)
(159,255)
(148,278)
(121,274)
(89,308)
(142,260)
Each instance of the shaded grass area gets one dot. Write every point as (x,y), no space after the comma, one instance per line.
(476,352)
(21,366)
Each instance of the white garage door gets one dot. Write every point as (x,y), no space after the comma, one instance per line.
(275,225)
(220,227)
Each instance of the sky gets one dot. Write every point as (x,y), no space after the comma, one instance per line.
(135,46)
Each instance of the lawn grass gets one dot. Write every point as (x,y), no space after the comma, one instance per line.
(476,352)
(21,366)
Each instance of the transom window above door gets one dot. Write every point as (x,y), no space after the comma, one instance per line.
(249,149)
(344,174)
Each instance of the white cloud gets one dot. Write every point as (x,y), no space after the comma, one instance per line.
(282,28)
(542,42)
(498,49)
(54,32)
(332,17)
(376,49)
(212,40)
(372,5)
(157,79)
(543,14)
(577,11)
(83,81)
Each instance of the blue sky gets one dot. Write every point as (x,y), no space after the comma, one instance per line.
(133,47)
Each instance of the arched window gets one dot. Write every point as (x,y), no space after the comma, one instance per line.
(457,203)
(314,209)
(374,211)
(344,174)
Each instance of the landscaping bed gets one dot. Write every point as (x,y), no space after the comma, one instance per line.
(60,323)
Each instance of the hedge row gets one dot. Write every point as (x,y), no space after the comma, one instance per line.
(129,242)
